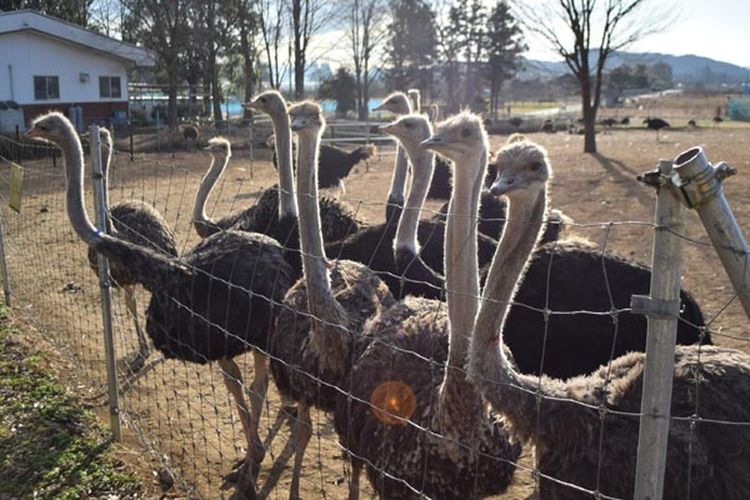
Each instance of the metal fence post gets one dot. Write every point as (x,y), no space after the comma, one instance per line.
(662,308)
(4,267)
(700,184)
(251,144)
(105,285)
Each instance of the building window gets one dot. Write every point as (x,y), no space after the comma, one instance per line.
(109,86)
(46,87)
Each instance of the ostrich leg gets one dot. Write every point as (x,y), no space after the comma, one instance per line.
(245,487)
(134,363)
(354,482)
(302,432)
(259,387)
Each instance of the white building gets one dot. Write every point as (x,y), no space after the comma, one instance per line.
(49,64)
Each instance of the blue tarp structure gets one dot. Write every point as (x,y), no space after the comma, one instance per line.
(738,109)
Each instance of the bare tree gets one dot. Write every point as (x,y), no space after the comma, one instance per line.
(367,30)
(309,17)
(160,26)
(247,21)
(270,21)
(594,28)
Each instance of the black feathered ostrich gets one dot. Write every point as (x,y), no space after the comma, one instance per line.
(213,303)
(413,418)
(318,331)
(377,246)
(564,277)
(336,163)
(275,212)
(139,223)
(563,418)
(655,124)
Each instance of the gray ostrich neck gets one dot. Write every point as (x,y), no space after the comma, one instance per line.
(106,156)
(283,138)
(327,339)
(218,164)
(398,181)
(491,369)
(423,163)
(79,219)
(457,395)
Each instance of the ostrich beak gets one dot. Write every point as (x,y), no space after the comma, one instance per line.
(388,128)
(432,143)
(503,185)
(379,107)
(32,133)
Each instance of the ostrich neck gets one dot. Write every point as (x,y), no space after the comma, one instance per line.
(406,235)
(200,217)
(398,181)
(491,369)
(327,338)
(79,219)
(106,157)
(457,395)
(311,238)
(283,138)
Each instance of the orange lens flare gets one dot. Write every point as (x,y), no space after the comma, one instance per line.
(393,402)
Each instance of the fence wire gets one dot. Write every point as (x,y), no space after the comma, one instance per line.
(181,413)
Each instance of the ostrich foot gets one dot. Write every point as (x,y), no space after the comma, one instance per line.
(242,472)
(133,363)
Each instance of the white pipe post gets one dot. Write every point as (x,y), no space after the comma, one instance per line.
(662,308)
(700,184)
(105,285)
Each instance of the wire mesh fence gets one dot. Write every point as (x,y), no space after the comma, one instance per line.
(182,414)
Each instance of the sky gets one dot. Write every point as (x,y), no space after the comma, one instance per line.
(719,29)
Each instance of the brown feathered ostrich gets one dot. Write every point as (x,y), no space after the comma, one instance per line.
(585,429)
(578,284)
(318,331)
(413,417)
(213,303)
(139,223)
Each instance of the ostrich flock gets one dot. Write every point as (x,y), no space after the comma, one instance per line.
(434,344)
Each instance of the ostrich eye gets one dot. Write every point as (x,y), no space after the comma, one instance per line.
(408,125)
(262,99)
(536,166)
(465,132)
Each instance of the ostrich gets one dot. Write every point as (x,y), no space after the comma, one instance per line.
(565,277)
(609,122)
(190,134)
(717,120)
(317,333)
(336,163)
(415,96)
(564,418)
(412,416)
(376,246)
(655,124)
(139,223)
(213,303)
(692,123)
(492,210)
(625,122)
(338,221)
(276,209)
(399,104)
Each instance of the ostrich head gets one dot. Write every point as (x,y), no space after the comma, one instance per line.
(521,165)
(270,102)
(416,99)
(410,130)
(220,145)
(461,136)
(52,127)
(397,103)
(306,117)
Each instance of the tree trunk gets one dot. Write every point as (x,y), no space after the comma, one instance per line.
(216,94)
(589,117)
(246,47)
(299,55)
(172,99)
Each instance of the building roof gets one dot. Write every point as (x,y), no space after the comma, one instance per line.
(32,20)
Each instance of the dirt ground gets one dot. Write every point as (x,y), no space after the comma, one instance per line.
(181,413)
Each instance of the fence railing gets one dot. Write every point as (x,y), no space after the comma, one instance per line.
(181,413)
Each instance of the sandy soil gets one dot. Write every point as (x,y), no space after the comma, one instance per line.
(182,414)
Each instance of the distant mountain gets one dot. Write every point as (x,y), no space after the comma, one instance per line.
(687,68)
